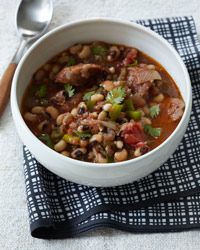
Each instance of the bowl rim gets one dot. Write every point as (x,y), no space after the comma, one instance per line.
(15,108)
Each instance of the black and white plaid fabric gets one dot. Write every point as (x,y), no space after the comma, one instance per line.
(167,200)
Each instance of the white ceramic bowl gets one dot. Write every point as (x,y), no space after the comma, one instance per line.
(111,31)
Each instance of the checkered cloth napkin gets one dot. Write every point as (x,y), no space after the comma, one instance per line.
(166,200)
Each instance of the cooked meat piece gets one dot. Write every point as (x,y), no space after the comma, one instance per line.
(141,79)
(176,108)
(81,74)
(71,102)
(132,133)
(130,57)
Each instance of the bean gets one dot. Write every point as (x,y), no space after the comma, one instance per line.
(75,49)
(68,118)
(112,70)
(60,146)
(85,52)
(145,121)
(59,119)
(114,53)
(83,143)
(110,136)
(65,153)
(108,85)
(119,144)
(74,111)
(78,153)
(39,75)
(138,101)
(121,155)
(38,110)
(100,158)
(30,117)
(137,152)
(55,69)
(47,67)
(159,98)
(151,66)
(102,115)
(97,97)
(42,125)
(52,111)
(97,138)
(107,106)
(146,110)
(63,59)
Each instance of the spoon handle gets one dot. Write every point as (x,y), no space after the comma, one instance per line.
(5,85)
(6,80)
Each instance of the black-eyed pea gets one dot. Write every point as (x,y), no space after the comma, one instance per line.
(68,118)
(112,70)
(108,85)
(119,144)
(137,152)
(121,155)
(85,52)
(65,153)
(74,111)
(97,97)
(102,115)
(107,106)
(83,143)
(30,117)
(100,158)
(59,119)
(145,121)
(38,110)
(75,49)
(96,138)
(78,153)
(42,125)
(52,111)
(151,66)
(60,146)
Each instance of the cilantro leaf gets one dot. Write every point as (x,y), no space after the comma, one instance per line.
(99,50)
(42,92)
(88,95)
(71,61)
(69,90)
(154,132)
(83,134)
(154,111)
(116,95)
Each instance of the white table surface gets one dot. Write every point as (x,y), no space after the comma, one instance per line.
(14,227)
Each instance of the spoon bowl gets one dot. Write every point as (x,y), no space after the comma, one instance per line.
(33,17)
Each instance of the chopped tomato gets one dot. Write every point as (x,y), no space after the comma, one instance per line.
(133,133)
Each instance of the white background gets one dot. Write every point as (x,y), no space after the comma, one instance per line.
(14,227)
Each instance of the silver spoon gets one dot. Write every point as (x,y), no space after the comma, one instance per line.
(32,20)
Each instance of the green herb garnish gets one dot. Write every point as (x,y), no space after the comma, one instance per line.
(42,92)
(83,134)
(69,90)
(116,95)
(88,95)
(154,132)
(71,61)
(47,140)
(135,63)
(154,111)
(99,50)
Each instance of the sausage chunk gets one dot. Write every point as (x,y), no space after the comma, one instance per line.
(81,74)
(176,108)
(140,79)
